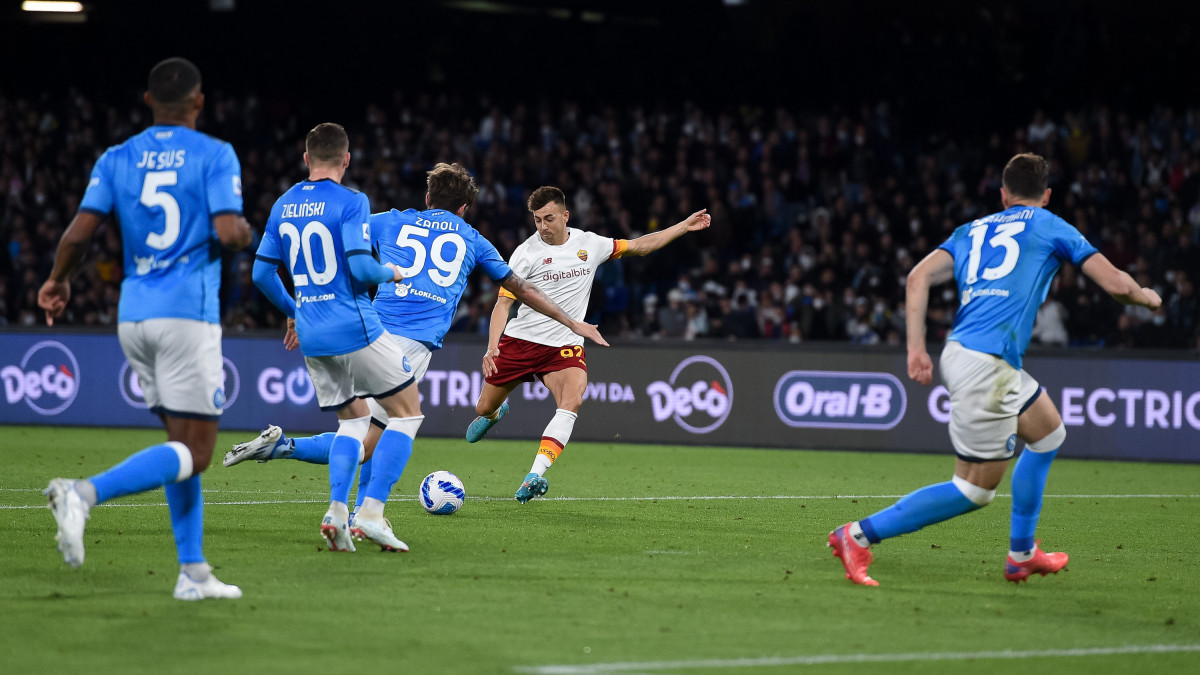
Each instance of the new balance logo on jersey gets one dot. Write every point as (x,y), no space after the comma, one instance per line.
(548,261)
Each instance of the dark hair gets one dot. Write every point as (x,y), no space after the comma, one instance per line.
(327,143)
(545,195)
(450,186)
(173,80)
(1027,176)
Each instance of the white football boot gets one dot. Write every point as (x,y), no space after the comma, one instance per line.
(379,530)
(71,513)
(336,533)
(259,448)
(187,588)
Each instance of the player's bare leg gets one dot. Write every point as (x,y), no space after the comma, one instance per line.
(567,387)
(1041,427)
(491,407)
(390,455)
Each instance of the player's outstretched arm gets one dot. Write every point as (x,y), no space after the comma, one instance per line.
(495,330)
(1119,284)
(56,292)
(650,243)
(936,268)
(538,301)
(233,231)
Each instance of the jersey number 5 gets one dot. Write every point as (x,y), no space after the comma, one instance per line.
(447,268)
(151,197)
(1002,239)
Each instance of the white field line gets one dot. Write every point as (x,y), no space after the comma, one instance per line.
(820,659)
(317,498)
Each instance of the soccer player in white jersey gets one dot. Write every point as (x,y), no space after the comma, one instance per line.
(176,194)
(561,261)
(435,250)
(1003,265)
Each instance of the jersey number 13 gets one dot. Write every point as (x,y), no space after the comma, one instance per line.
(1002,239)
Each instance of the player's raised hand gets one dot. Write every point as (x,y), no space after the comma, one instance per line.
(589,331)
(698,221)
(290,339)
(920,367)
(53,297)
(489,362)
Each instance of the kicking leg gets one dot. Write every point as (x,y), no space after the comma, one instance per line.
(490,408)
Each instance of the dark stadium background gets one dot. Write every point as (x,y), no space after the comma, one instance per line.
(945,63)
(958,84)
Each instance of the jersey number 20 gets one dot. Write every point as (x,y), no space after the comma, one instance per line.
(1002,239)
(303,240)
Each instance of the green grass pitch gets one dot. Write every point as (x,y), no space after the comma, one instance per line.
(641,559)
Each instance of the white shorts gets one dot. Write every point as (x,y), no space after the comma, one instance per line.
(986,396)
(416,356)
(380,369)
(178,363)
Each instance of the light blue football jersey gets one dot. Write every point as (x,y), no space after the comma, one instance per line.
(436,251)
(1003,265)
(164,187)
(312,230)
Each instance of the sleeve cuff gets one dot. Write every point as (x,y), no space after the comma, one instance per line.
(505,294)
(267,259)
(95,212)
(619,247)
(225,212)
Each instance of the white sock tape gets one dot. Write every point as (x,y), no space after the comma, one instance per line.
(973,492)
(406,425)
(1052,441)
(185,460)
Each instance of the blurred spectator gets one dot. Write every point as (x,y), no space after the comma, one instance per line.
(817,217)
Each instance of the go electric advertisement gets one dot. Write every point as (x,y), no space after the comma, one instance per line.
(694,394)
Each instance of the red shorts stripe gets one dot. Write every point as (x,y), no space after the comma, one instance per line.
(524,361)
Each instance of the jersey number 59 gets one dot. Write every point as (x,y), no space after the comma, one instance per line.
(447,269)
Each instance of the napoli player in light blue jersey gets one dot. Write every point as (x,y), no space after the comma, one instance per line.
(319,230)
(435,251)
(1003,265)
(177,196)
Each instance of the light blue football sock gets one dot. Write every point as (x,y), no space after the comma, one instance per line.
(390,458)
(311,449)
(1028,484)
(931,504)
(145,470)
(364,479)
(343,462)
(186,503)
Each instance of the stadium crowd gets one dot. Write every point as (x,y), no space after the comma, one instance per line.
(817,216)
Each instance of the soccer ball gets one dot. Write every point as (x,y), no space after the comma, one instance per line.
(442,493)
